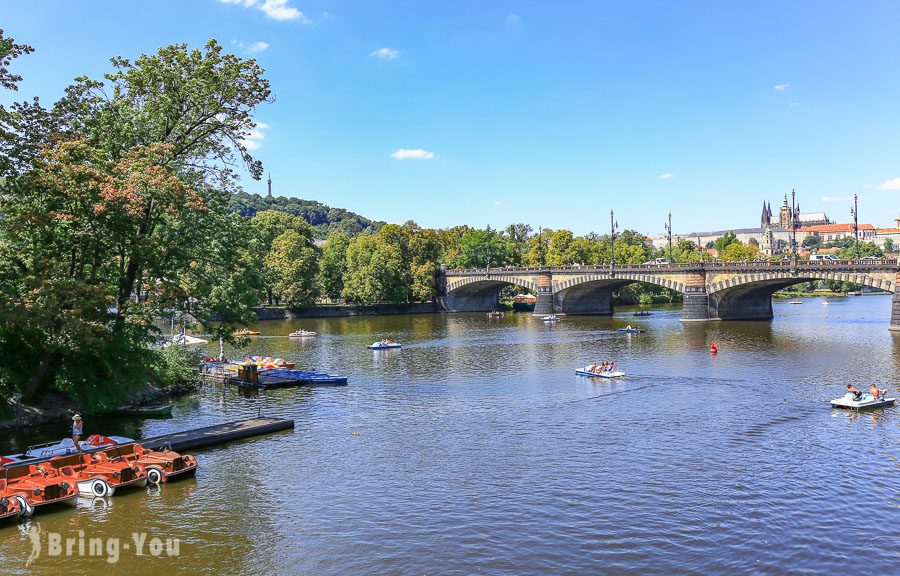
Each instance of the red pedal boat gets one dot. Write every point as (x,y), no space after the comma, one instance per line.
(35,485)
(96,475)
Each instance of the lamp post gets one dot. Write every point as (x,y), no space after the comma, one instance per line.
(669,232)
(795,216)
(613,226)
(854,211)
(541,246)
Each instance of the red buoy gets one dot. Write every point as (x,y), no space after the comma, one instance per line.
(713,348)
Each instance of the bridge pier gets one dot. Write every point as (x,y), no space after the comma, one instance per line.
(895,310)
(544,304)
(695,306)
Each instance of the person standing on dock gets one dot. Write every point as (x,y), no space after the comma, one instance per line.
(77,430)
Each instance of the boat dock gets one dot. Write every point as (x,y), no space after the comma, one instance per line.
(218,434)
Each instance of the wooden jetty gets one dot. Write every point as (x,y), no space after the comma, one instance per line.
(218,434)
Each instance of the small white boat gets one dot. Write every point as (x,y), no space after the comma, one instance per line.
(795,302)
(550,318)
(824,302)
(589,374)
(302,334)
(384,345)
(184,340)
(867,402)
(630,330)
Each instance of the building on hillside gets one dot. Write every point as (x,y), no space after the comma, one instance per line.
(786,221)
(892,234)
(833,232)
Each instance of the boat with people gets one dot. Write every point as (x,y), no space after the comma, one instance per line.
(630,330)
(642,313)
(550,318)
(495,314)
(604,369)
(384,345)
(795,302)
(246,332)
(866,401)
(302,334)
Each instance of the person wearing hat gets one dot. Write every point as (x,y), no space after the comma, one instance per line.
(77,429)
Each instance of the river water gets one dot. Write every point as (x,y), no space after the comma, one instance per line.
(476,450)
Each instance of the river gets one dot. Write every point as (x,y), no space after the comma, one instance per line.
(476,450)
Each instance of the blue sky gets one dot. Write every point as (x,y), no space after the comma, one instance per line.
(550,113)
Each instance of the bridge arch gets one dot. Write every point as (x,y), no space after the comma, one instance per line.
(480,293)
(592,293)
(749,296)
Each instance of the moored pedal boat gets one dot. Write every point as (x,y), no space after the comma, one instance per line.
(867,402)
(161,465)
(96,475)
(61,448)
(37,485)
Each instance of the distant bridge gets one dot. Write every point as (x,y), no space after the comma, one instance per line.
(711,290)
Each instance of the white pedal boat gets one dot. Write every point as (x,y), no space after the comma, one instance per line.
(867,402)
(384,346)
(589,374)
(550,318)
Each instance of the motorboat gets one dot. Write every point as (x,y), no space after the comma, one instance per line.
(246,332)
(185,340)
(35,485)
(302,334)
(866,402)
(550,318)
(384,345)
(96,474)
(161,465)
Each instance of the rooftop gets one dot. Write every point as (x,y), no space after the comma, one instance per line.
(835,228)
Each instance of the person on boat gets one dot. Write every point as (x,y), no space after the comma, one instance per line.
(77,431)
(875,391)
(856,393)
(593,368)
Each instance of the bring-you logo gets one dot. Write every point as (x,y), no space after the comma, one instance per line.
(80,545)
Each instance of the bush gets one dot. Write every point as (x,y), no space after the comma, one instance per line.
(174,367)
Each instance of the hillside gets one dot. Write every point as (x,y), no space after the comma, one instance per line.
(321,217)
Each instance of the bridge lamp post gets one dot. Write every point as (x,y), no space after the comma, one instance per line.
(795,217)
(541,246)
(614,227)
(854,212)
(669,232)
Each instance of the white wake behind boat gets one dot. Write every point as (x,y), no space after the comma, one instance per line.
(867,402)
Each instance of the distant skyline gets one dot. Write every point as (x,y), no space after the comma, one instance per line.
(548,113)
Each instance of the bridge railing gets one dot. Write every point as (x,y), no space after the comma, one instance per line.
(863,263)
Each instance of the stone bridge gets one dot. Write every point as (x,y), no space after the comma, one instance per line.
(711,290)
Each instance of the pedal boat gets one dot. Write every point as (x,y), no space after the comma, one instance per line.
(586,372)
(867,402)
(37,485)
(96,475)
(551,318)
(383,346)
(161,465)
(12,504)
(302,334)
(246,332)
(630,330)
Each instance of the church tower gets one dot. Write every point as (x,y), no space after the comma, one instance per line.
(784,215)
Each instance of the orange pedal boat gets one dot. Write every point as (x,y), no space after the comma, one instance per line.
(161,466)
(96,475)
(35,485)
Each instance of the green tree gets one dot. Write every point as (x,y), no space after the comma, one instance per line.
(267,226)
(812,242)
(295,264)
(376,271)
(333,264)
(737,252)
(865,249)
(724,241)
(888,245)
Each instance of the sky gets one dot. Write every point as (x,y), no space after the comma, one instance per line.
(550,113)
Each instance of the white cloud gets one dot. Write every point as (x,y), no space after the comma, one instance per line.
(892,184)
(253,47)
(414,153)
(513,19)
(781,87)
(274,9)
(253,139)
(666,176)
(795,104)
(385,53)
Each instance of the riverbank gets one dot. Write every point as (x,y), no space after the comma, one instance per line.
(334,311)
